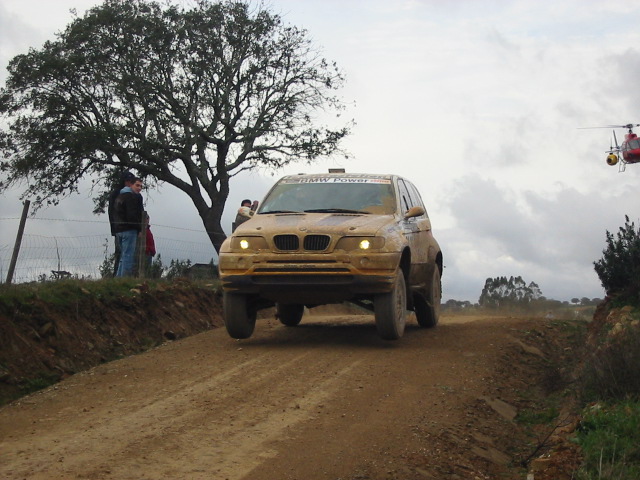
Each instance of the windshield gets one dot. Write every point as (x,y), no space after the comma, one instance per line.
(633,144)
(370,195)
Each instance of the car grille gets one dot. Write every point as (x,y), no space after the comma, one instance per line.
(315,243)
(286,242)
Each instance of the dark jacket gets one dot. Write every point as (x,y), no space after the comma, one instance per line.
(127,211)
(111,209)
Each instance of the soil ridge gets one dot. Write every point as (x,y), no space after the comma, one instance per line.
(42,343)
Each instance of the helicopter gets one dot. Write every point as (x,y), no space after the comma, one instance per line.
(630,148)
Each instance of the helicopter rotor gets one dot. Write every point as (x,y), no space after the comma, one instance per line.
(628,126)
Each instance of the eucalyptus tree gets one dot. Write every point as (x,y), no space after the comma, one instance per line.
(183,96)
(500,291)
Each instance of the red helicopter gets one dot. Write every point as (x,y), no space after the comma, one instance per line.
(630,148)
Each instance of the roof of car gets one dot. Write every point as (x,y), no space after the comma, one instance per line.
(337,175)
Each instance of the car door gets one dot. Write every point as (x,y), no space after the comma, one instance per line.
(420,227)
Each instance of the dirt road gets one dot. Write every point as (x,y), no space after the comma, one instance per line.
(325,400)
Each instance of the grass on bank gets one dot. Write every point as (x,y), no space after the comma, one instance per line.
(608,391)
(609,433)
(69,291)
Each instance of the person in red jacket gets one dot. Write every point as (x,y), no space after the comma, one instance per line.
(150,247)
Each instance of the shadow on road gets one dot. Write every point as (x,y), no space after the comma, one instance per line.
(354,332)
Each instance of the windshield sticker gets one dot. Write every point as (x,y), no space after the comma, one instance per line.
(385,181)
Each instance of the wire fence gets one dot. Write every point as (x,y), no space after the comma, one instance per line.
(46,256)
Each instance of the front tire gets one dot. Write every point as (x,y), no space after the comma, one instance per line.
(289,314)
(391,310)
(428,311)
(239,315)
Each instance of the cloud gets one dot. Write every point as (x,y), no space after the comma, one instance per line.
(14,37)
(551,238)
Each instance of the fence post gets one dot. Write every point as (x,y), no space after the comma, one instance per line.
(16,247)
(142,246)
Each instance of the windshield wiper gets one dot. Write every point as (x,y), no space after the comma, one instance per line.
(279,211)
(333,210)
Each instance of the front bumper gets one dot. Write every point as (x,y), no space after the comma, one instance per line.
(308,279)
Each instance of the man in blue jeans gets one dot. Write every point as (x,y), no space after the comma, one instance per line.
(128,211)
(127,179)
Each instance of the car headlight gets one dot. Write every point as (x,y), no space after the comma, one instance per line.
(362,244)
(248,244)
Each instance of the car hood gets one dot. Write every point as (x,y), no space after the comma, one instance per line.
(327,223)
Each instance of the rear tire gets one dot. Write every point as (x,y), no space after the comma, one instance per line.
(239,315)
(289,314)
(391,310)
(428,311)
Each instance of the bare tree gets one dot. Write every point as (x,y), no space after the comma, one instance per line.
(184,96)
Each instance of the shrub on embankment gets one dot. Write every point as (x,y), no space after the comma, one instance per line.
(609,383)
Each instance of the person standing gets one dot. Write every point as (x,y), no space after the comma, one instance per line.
(150,247)
(128,211)
(245,212)
(126,181)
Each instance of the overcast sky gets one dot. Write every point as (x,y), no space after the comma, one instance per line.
(479,103)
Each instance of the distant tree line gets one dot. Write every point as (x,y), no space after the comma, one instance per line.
(586,302)
(514,292)
(157,269)
(618,271)
(452,304)
(501,292)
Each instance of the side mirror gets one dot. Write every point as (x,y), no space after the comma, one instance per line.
(414,212)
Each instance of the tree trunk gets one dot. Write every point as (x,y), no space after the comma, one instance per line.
(211,220)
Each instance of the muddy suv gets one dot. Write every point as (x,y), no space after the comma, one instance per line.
(330,238)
